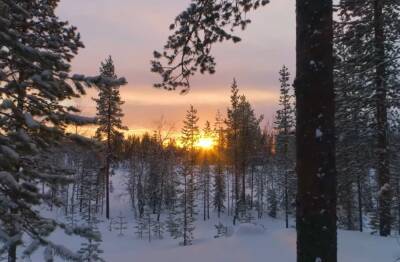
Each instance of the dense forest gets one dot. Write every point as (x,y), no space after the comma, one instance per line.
(328,161)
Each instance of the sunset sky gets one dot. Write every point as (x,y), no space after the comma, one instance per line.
(130,30)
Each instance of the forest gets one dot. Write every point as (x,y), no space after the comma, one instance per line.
(317,182)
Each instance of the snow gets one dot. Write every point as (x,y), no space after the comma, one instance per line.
(30,122)
(6,104)
(80,120)
(318,133)
(249,229)
(7,179)
(384,188)
(9,152)
(267,240)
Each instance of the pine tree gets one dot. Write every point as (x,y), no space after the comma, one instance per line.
(243,134)
(232,123)
(109,115)
(37,48)
(219,176)
(190,136)
(205,172)
(285,128)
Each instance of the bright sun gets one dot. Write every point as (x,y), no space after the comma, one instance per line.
(205,143)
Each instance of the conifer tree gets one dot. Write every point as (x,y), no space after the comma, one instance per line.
(354,138)
(368,33)
(181,221)
(37,48)
(285,128)
(243,133)
(109,113)
(219,176)
(90,250)
(190,137)
(272,202)
(205,172)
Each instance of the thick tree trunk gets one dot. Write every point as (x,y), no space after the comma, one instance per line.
(381,119)
(316,203)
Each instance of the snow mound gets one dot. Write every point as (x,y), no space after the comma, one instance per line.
(249,229)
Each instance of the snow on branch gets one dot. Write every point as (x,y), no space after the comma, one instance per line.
(80,120)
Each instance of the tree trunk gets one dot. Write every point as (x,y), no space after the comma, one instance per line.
(12,253)
(381,120)
(204,197)
(286,200)
(208,195)
(252,187)
(185,212)
(243,195)
(315,139)
(228,191)
(360,204)
(107,173)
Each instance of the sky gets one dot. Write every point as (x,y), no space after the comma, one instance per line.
(130,30)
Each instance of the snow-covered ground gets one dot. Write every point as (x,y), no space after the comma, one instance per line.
(247,244)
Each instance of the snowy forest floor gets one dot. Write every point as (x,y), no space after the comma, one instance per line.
(276,244)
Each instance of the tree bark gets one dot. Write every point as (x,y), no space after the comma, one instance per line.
(315,135)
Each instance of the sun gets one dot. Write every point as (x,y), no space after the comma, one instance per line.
(205,143)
